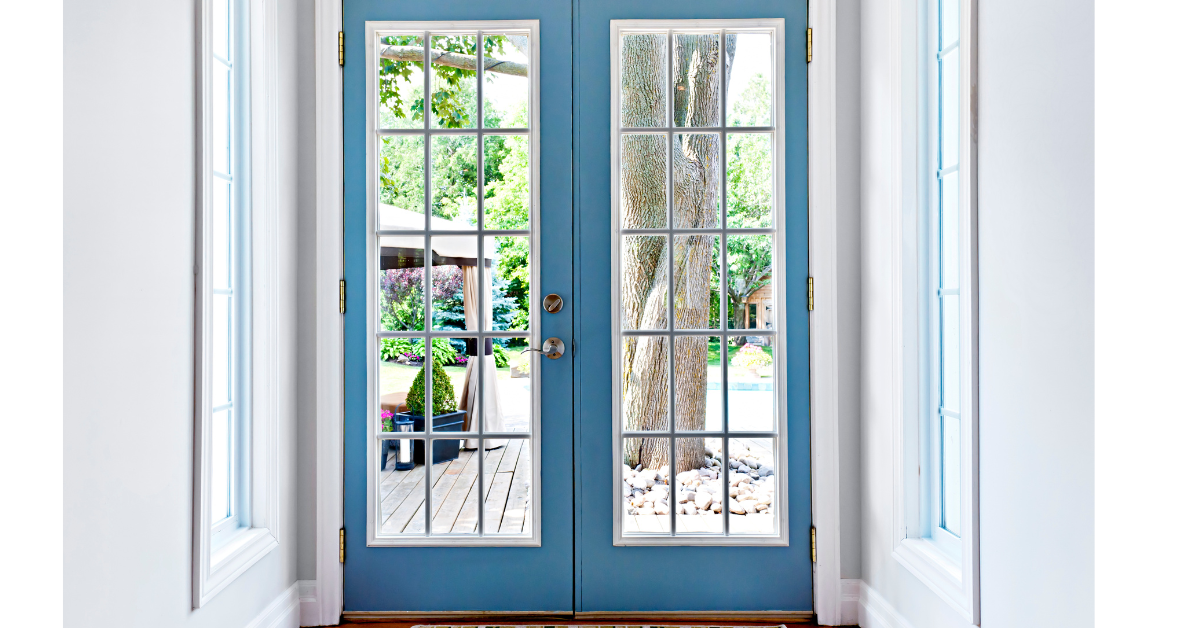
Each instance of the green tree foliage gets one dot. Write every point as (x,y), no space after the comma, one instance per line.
(443,393)
(452,93)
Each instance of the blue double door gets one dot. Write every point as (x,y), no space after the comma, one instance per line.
(574,563)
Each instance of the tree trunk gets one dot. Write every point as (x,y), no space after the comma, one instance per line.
(645,262)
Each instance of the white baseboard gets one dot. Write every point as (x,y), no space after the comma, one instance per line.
(876,612)
(848,602)
(282,612)
(310,610)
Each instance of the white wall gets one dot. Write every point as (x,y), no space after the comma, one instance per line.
(1036,247)
(1035,221)
(128,239)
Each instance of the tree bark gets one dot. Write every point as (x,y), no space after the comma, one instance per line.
(452,59)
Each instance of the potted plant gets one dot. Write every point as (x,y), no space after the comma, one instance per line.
(444,410)
(751,358)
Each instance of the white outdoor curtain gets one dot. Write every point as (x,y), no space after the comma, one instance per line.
(471,399)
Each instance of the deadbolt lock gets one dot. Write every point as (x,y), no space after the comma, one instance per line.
(552,303)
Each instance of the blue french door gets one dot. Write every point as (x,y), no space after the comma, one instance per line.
(476,500)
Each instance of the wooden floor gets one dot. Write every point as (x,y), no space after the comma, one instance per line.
(532,623)
(507,474)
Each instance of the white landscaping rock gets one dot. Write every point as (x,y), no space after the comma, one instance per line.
(703,500)
(737,508)
(689,509)
(661,509)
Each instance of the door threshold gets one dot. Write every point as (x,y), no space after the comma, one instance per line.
(624,618)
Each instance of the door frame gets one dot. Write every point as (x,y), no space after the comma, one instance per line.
(323,603)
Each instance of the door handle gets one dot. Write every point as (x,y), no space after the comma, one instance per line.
(553,348)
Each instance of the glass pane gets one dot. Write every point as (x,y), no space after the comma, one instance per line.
(452,93)
(514,399)
(696,78)
(222,347)
(749,55)
(455,488)
(749,259)
(643,282)
(221,457)
(506,505)
(221,120)
(643,181)
(949,230)
(399,364)
(751,486)
(950,353)
(645,383)
(644,80)
(455,282)
(402,182)
(697,163)
(221,234)
(697,383)
(401,82)
(697,487)
(220,28)
(452,370)
(950,109)
(454,181)
(506,82)
(645,489)
(951,475)
(402,488)
(508,267)
(749,180)
(402,284)
(949,18)
(752,386)
(506,181)
(698,282)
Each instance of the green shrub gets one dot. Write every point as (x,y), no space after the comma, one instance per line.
(443,393)
(394,348)
(501,357)
(443,353)
(751,357)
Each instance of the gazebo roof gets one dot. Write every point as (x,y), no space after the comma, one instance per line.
(406,251)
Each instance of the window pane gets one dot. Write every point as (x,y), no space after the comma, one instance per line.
(401,182)
(221,461)
(402,284)
(697,383)
(748,180)
(506,83)
(221,263)
(454,181)
(455,489)
(698,282)
(643,181)
(221,117)
(220,28)
(950,353)
(951,475)
(222,348)
(401,82)
(506,182)
(645,488)
(452,93)
(949,22)
(950,109)
(402,488)
(752,386)
(644,80)
(751,486)
(697,487)
(643,282)
(506,487)
(514,403)
(949,231)
(645,383)
(507,278)
(399,362)
(404,382)
(696,78)
(697,163)
(455,282)
(749,259)
(750,56)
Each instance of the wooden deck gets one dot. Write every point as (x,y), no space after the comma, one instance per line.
(506,485)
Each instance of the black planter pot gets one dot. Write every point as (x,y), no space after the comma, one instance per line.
(443,450)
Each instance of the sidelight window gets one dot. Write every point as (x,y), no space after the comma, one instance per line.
(698,237)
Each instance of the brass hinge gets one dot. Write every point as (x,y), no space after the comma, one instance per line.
(342,545)
(810,45)
(342,296)
(810,294)
(342,48)
(813,532)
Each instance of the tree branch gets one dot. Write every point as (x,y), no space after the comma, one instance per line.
(453,59)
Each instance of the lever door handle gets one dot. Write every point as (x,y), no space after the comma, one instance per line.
(553,348)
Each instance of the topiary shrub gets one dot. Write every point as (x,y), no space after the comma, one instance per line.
(443,393)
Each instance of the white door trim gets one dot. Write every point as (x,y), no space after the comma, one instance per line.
(328,272)
(822,216)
